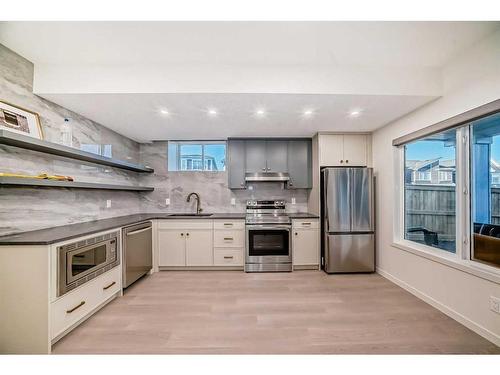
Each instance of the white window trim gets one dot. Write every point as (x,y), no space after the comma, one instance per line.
(461,258)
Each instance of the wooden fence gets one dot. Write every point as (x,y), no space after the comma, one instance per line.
(433,207)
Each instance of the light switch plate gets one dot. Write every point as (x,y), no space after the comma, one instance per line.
(233,201)
(108,203)
(293,200)
(167,202)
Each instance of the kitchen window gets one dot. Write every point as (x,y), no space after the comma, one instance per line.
(449,192)
(197,156)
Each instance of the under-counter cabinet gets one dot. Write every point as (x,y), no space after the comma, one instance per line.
(33,316)
(344,150)
(184,243)
(200,243)
(229,243)
(305,243)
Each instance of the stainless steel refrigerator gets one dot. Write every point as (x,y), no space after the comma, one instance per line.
(348,243)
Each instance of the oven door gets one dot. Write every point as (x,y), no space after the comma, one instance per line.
(268,244)
(81,262)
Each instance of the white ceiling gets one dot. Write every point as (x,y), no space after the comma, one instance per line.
(343,43)
(121,73)
(138,116)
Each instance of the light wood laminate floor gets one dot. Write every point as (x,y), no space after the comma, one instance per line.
(303,312)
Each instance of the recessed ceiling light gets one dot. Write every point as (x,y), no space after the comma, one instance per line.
(164,111)
(260,112)
(212,112)
(308,113)
(355,113)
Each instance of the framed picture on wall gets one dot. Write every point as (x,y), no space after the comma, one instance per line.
(20,120)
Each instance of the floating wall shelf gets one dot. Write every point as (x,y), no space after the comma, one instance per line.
(30,143)
(30,182)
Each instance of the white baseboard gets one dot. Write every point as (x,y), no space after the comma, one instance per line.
(480,330)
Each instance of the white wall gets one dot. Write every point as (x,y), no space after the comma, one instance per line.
(470,80)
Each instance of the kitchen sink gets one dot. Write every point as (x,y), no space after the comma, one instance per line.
(191,215)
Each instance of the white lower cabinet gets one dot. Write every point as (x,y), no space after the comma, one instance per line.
(199,248)
(172,245)
(201,243)
(77,304)
(184,243)
(228,257)
(305,243)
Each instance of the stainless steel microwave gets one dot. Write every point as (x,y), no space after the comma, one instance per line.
(84,260)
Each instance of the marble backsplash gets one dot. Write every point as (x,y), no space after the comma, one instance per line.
(23,209)
(211,186)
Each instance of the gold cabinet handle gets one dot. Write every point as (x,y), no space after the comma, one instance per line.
(76,307)
(228,224)
(228,238)
(228,257)
(109,286)
(306,223)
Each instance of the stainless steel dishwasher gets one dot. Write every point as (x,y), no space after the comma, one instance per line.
(137,252)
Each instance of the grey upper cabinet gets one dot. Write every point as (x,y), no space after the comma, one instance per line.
(256,160)
(299,164)
(276,155)
(236,164)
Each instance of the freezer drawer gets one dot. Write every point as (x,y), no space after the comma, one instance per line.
(349,253)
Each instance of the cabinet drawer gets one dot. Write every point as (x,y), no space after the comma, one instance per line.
(78,303)
(228,257)
(306,224)
(229,238)
(185,224)
(229,224)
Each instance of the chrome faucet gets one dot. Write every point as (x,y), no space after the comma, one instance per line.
(198,202)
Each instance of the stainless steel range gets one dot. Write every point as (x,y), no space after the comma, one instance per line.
(268,237)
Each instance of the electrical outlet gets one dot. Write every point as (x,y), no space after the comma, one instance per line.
(167,202)
(293,200)
(233,201)
(108,203)
(495,304)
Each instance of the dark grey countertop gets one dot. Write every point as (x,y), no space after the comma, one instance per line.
(66,232)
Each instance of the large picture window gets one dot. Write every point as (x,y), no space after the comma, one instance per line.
(450,189)
(430,191)
(196,156)
(485,174)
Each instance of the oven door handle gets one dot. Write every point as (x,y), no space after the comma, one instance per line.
(269,227)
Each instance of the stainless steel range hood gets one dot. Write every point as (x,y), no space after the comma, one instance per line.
(267,176)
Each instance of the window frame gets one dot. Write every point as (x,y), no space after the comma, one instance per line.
(462,258)
(178,161)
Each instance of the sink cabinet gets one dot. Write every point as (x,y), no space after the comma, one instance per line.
(184,243)
(200,243)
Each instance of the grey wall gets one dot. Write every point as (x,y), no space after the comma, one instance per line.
(212,187)
(24,209)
